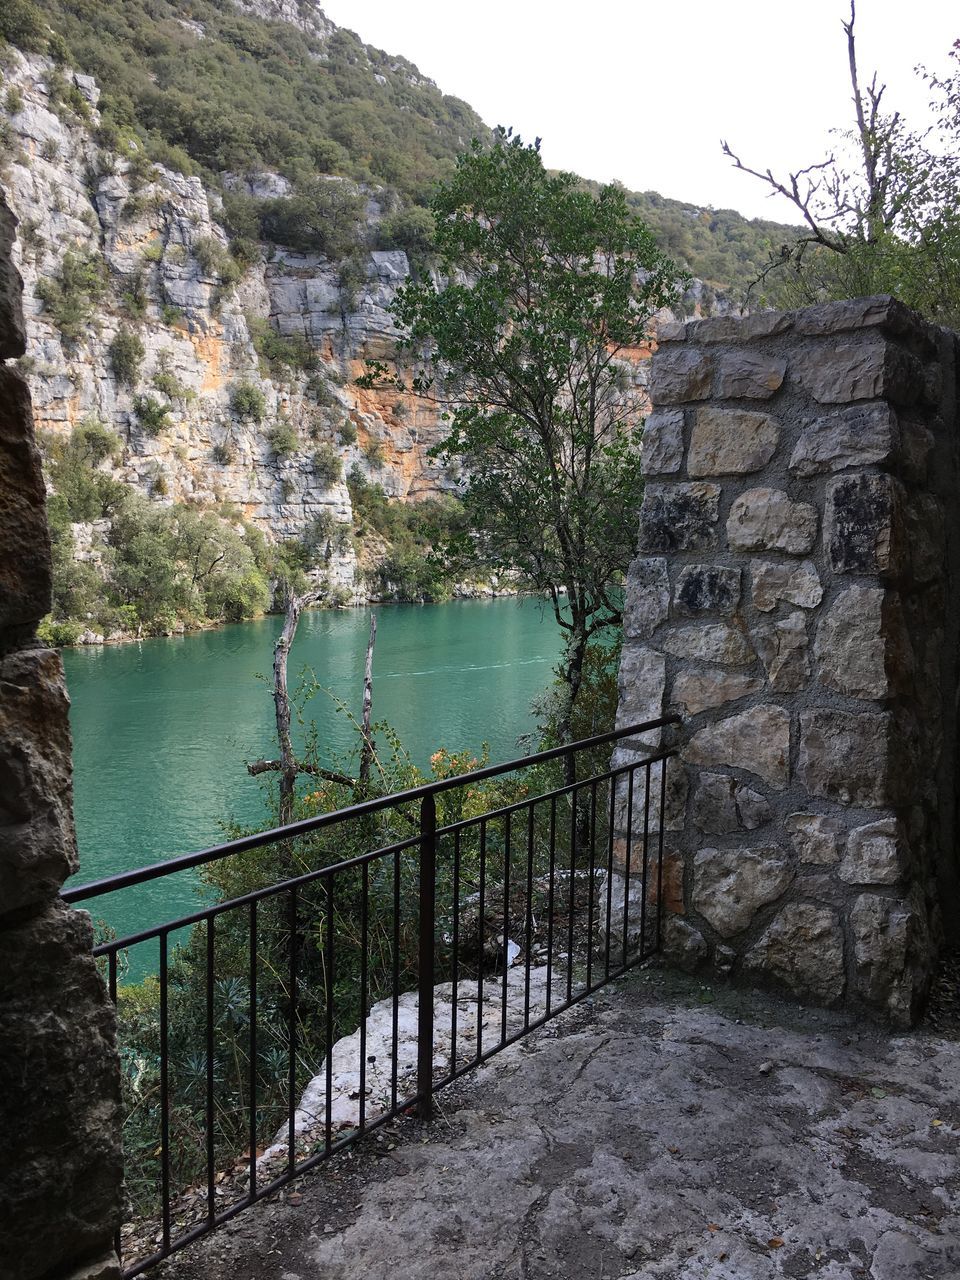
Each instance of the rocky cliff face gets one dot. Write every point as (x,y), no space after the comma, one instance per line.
(155,235)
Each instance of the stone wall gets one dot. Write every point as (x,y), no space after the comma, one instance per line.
(59,1081)
(795,600)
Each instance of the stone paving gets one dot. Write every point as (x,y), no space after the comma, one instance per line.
(665,1131)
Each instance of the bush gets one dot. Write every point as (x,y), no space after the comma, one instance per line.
(248,401)
(373,451)
(280,355)
(215,260)
(82,492)
(327,465)
(57,635)
(222,454)
(283,440)
(347,431)
(72,296)
(167,382)
(13,100)
(22,24)
(152,415)
(409,229)
(126,356)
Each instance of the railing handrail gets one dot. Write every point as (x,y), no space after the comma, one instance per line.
(185,862)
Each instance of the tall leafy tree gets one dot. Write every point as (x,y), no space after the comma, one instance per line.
(546,291)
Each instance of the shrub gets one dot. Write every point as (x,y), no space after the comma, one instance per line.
(409,229)
(279,354)
(57,635)
(327,465)
(222,453)
(13,100)
(154,251)
(135,298)
(167,382)
(347,431)
(71,297)
(153,415)
(170,315)
(126,357)
(22,24)
(283,440)
(373,451)
(248,401)
(215,260)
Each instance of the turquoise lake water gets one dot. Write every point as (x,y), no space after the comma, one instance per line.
(162,729)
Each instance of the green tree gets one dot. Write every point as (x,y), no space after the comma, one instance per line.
(881,213)
(548,288)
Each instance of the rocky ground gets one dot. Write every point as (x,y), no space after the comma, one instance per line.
(668,1129)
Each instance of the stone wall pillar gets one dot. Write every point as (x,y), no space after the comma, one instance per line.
(60,1182)
(796,600)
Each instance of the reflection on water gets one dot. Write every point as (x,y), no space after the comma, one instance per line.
(162,729)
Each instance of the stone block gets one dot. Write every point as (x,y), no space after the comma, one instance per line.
(803,949)
(680,517)
(661,450)
(13,334)
(797,584)
(855,437)
(761,324)
(641,684)
(731,442)
(891,950)
(881,311)
(707,588)
(38,847)
(846,371)
(731,885)
(845,756)
(62,1193)
(744,374)
(875,854)
(864,524)
(646,599)
(782,646)
(768,520)
(862,648)
(925,537)
(24,536)
(723,804)
(815,837)
(631,812)
(757,741)
(710,642)
(699,690)
(680,373)
(672,331)
(683,945)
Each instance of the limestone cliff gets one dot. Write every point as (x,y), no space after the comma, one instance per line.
(155,235)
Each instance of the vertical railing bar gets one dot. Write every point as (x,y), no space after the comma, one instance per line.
(646,865)
(663,820)
(628,857)
(211,1152)
(292,1037)
(551,897)
(395,1047)
(610,839)
(590,886)
(253,1049)
(571,894)
(529,920)
(481,929)
(328,1029)
(507,856)
(425,957)
(455,942)
(164,1096)
(364,979)
(112,989)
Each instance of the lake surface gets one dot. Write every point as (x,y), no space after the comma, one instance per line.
(162,729)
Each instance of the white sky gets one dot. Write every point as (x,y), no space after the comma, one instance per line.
(642,92)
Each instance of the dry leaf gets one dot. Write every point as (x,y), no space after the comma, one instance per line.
(775,1243)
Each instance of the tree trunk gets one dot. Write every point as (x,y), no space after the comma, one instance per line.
(289,766)
(367,751)
(571,674)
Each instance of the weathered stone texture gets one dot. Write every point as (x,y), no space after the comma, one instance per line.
(707,588)
(728,442)
(853,437)
(731,885)
(680,518)
(647,598)
(782,647)
(696,690)
(13,337)
(845,756)
(38,847)
(824,443)
(797,584)
(57,1062)
(862,523)
(767,520)
(749,375)
(803,949)
(710,642)
(24,538)
(756,740)
(661,451)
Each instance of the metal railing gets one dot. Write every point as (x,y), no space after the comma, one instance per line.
(248,1053)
